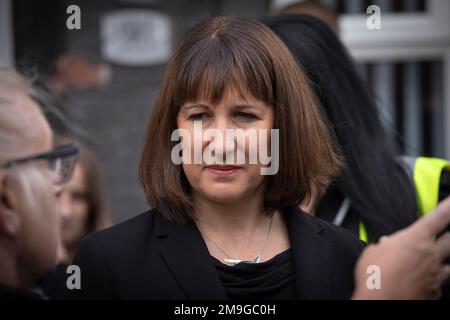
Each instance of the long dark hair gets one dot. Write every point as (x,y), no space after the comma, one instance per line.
(379,190)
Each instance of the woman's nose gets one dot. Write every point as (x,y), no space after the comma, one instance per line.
(222,139)
(63,205)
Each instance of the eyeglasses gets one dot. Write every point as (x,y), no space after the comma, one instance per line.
(60,161)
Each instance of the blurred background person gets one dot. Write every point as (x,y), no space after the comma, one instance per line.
(83,203)
(376,193)
(31,173)
(83,208)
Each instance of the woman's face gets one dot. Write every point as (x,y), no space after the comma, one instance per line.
(74,208)
(225,183)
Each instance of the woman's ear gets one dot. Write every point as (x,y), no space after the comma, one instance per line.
(9,217)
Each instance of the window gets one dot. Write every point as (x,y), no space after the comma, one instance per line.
(407,64)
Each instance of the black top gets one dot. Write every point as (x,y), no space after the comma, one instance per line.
(8,293)
(270,280)
(54,282)
(148,257)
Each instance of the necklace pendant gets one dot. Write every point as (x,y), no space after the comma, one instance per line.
(231,262)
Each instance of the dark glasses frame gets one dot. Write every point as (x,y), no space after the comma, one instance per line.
(68,150)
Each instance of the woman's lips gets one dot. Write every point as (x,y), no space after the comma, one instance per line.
(223,170)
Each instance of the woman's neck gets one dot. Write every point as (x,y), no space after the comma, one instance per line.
(241,217)
(240,230)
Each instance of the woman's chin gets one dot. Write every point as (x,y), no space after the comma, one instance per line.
(223,196)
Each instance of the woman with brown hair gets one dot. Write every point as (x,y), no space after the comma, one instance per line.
(83,209)
(82,204)
(224,229)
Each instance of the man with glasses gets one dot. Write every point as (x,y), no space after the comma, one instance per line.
(31,174)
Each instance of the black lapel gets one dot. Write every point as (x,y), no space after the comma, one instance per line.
(187,256)
(312,255)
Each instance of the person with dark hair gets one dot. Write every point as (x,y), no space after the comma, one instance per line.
(224,230)
(374,195)
(377,192)
(313,8)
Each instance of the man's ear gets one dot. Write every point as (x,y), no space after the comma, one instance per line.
(9,217)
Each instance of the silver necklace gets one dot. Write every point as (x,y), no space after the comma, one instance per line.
(232,261)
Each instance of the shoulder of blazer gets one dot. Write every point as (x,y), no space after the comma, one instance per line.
(115,252)
(341,240)
(324,256)
(332,234)
(132,228)
(343,246)
(135,233)
(345,252)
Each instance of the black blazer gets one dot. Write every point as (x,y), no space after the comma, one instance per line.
(148,257)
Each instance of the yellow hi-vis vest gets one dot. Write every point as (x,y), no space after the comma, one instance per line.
(426,174)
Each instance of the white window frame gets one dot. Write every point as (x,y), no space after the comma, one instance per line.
(405,37)
(402,35)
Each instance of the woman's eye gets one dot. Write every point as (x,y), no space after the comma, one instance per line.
(246,116)
(198,116)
